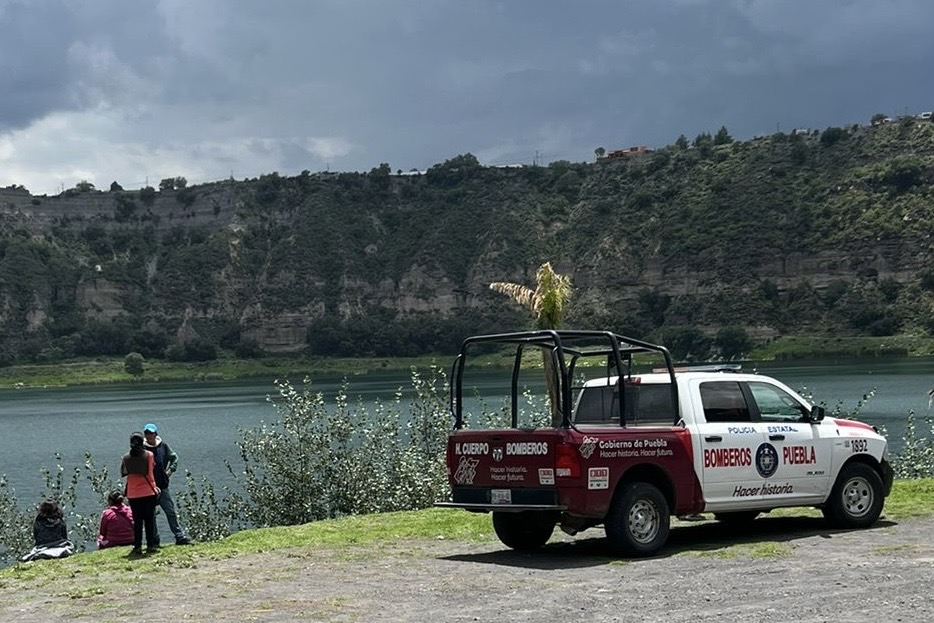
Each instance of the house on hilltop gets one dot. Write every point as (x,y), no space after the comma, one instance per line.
(628,152)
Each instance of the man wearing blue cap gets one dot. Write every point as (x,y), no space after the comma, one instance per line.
(165,465)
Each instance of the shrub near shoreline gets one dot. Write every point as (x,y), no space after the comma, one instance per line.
(322,458)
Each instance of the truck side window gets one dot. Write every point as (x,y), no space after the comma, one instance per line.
(775,404)
(723,402)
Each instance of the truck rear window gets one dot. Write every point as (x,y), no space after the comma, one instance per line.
(646,405)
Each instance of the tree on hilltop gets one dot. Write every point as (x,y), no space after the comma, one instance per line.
(173,183)
(722,137)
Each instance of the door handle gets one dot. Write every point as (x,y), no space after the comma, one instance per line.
(713,438)
(776,438)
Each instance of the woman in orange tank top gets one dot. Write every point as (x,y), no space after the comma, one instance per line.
(142,493)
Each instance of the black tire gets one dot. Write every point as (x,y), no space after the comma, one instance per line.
(525,530)
(639,520)
(736,518)
(857,497)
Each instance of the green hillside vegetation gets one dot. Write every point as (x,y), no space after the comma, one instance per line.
(714,247)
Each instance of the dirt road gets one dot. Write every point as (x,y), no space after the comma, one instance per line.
(777,569)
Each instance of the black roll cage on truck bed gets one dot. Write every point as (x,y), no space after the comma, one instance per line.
(566,348)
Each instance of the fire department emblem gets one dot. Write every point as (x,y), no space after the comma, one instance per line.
(766,460)
(588,445)
(466,471)
(497,454)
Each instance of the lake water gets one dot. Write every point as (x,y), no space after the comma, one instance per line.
(901,385)
(202,421)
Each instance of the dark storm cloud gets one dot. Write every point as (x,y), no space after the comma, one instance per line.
(214,87)
(33,63)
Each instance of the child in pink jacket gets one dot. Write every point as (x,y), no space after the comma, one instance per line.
(116,523)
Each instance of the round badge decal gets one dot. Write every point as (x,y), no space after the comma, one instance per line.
(766,460)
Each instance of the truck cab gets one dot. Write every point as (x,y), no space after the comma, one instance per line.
(620,437)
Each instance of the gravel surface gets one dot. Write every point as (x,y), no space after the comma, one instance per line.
(776,569)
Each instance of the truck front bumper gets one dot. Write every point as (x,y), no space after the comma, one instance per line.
(888,476)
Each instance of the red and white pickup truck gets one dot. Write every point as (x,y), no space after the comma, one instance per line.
(607,444)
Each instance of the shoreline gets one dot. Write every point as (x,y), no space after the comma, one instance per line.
(105,371)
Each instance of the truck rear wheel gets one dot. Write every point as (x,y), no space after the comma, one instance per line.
(525,530)
(639,520)
(857,498)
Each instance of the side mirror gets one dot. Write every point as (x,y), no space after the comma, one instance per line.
(816,414)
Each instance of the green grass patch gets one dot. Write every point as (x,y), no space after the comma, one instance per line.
(894,549)
(765,549)
(338,535)
(99,570)
(111,370)
(910,498)
(802,347)
(431,523)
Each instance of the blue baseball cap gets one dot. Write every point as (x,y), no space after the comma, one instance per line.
(150,428)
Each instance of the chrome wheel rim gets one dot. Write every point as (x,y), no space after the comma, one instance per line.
(857,496)
(644,521)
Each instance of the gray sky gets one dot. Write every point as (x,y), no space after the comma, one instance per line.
(137,90)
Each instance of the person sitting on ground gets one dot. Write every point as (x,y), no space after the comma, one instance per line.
(49,533)
(49,527)
(116,526)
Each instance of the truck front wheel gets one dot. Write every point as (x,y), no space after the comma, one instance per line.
(525,530)
(639,520)
(857,498)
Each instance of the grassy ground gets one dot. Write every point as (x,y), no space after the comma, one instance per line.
(909,498)
(432,523)
(111,370)
(792,347)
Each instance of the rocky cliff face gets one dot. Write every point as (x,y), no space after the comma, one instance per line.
(670,239)
(213,205)
(421,290)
